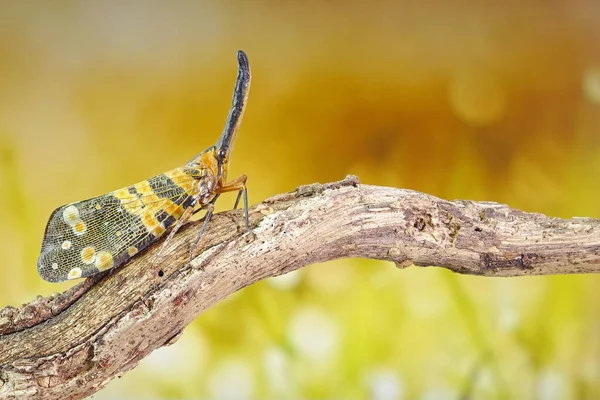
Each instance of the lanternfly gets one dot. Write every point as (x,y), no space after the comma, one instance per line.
(89,236)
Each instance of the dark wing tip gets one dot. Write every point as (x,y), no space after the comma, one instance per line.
(48,274)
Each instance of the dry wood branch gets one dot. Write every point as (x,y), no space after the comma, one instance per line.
(71,345)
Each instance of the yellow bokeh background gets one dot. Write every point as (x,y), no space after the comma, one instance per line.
(487,100)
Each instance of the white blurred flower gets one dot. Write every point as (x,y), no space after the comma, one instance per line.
(385,384)
(484,380)
(508,319)
(277,370)
(591,84)
(287,281)
(331,277)
(551,385)
(421,303)
(186,358)
(312,333)
(232,379)
(438,393)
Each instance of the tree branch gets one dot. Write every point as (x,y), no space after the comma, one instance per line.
(73,344)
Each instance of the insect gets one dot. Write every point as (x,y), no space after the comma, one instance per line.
(90,236)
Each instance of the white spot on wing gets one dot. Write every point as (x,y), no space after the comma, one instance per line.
(79,228)
(88,255)
(104,260)
(74,273)
(71,215)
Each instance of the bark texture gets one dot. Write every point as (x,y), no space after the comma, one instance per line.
(68,346)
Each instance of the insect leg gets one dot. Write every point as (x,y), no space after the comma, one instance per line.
(243,192)
(184,218)
(210,208)
(239,196)
(239,184)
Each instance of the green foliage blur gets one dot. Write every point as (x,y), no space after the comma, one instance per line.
(485,100)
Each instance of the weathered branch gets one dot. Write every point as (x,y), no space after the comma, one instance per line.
(73,344)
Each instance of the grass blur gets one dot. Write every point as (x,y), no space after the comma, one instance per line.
(495,101)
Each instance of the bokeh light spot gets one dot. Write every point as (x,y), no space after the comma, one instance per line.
(591,84)
(232,379)
(186,359)
(286,281)
(332,277)
(276,365)
(477,98)
(551,386)
(312,333)
(384,384)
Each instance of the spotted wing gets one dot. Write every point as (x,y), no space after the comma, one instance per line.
(93,235)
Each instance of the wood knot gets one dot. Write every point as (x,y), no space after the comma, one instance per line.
(419,223)
(316,188)
(394,252)
(494,262)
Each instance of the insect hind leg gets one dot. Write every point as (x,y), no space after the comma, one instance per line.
(184,218)
(210,208)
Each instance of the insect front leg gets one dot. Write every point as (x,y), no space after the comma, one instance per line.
(239,185)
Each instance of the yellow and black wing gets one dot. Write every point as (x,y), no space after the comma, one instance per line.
(93,235)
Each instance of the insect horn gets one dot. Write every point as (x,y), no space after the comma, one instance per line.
(238,105)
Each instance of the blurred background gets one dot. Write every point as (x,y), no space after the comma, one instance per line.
(485,100)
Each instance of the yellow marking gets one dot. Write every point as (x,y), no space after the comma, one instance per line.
(88,255)
(71,215)
(182,180)
(158,230)
(104,260)
(174,210)
(79,228)
(74,273)
(98,207)
(118,233)
(133,206)
(151,223)
(149,220)
(148,204)
(66,245)
(130,202)
(132,251)
(122,194)
(208,159)
(148,195)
